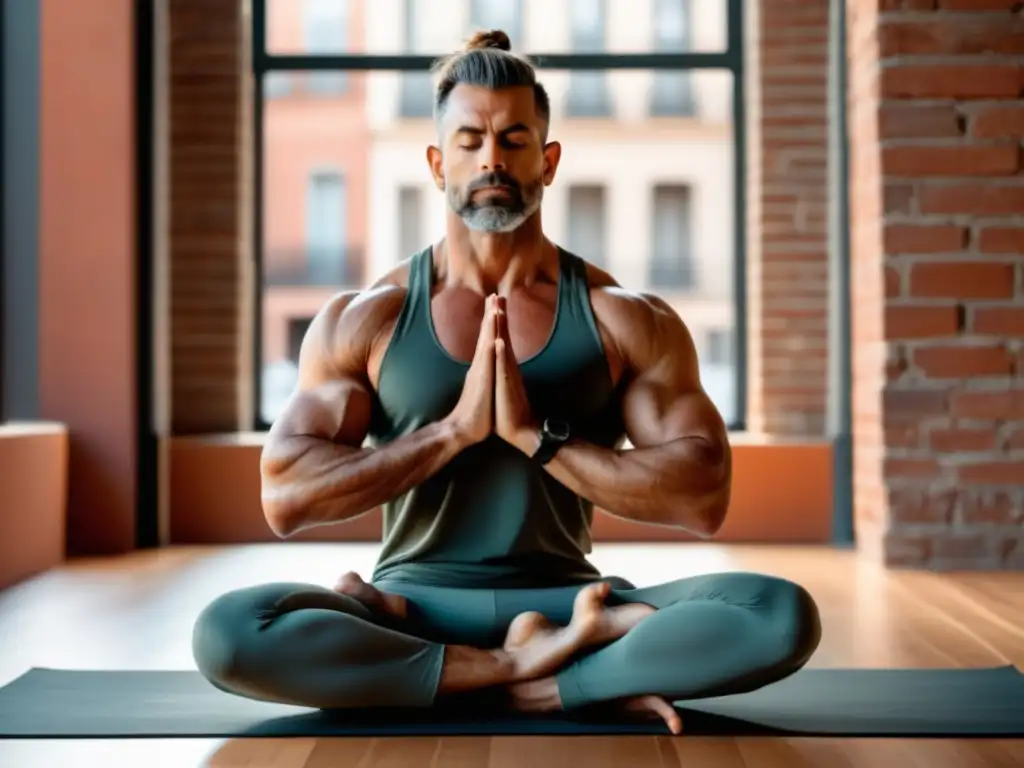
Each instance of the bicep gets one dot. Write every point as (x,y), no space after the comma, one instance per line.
(665,400)
(332,399)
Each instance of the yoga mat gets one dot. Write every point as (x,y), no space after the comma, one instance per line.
(988,702)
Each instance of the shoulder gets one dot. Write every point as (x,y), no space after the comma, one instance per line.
(642,326)
(346,327)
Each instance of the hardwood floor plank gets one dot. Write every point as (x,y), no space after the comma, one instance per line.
(262,753)
(597,751)
(717,752)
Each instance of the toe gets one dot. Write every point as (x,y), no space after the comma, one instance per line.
(350,580)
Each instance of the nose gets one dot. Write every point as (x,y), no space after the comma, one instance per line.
(493,156)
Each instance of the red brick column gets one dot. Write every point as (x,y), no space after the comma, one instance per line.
(787,217)
(209,164)
(937,219)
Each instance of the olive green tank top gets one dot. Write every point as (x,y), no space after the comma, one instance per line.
(492,517)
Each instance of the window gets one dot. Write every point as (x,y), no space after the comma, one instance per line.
(586,235)
(343,190)
(506,15)
(588,90)
(672,264)
(717,347)
(325,229)
(672,92)
(417,94)
(325,30)
(410,221)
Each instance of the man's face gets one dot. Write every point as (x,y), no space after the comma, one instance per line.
(493,163)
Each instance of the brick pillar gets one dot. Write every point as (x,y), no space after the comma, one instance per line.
(209,162)
(937,218)
(788,216)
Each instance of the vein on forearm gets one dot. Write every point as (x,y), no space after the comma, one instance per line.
(318,481)
(676,483)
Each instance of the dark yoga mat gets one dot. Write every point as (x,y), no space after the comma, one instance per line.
(49,703)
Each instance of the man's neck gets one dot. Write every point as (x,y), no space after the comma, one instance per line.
(497,262)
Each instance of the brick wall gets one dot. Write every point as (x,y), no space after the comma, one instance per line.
(788,215)
(208,161)
(937,215)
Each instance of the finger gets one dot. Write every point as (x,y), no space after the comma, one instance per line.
(503,320)
(500,359)
(485,339)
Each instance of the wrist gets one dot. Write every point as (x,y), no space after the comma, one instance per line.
(527,439)
(455,438)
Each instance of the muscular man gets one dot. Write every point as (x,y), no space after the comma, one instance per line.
(497,376)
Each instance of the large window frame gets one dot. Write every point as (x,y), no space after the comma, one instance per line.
(266,64)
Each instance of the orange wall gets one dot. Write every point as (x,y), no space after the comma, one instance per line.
(33,497)
(782,492)
(87,262)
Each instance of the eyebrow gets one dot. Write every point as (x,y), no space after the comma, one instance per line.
(516,128)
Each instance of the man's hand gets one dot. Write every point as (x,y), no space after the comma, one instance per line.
(513,418)
(473,416)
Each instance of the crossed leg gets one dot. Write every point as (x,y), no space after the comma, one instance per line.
(703,636)
(710,635)
(310,646)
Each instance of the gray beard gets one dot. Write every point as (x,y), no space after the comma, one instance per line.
(495,218)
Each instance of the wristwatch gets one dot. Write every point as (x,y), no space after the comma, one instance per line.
(553,435)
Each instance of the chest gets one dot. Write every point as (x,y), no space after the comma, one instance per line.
(421,370)
(456,316)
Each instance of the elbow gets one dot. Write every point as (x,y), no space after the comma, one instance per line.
(712,518)
(712,506)
(716,506)
(282,522)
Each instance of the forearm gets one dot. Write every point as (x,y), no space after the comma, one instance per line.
(684,483)
(309,481)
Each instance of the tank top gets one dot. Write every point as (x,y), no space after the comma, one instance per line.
(493,517)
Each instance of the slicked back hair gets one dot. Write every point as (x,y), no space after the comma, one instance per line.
(488,62)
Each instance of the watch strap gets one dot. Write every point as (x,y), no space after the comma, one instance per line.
(549,446)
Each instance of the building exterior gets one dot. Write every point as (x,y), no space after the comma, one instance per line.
(645,187)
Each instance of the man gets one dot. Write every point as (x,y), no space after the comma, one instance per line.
(497,376)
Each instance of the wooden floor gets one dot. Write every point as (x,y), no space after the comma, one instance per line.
(137,612)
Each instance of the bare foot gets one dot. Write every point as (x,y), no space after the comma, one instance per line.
(653,707)
(603,623)
(539,648)
(352,584)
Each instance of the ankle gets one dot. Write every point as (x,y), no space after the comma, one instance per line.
(465,669)
(536,695)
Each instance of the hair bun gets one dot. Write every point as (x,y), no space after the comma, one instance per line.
(493,38)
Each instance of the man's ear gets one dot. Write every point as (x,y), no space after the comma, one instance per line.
(552,156)
(435,159)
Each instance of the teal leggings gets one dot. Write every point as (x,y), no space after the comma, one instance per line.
(310,646)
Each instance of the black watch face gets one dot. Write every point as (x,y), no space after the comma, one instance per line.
(559,430)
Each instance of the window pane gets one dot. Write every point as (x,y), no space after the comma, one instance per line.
(410,221)
(506,15)
(535,26)
(585,234)
(347,193)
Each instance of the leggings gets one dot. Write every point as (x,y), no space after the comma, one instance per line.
(307,645)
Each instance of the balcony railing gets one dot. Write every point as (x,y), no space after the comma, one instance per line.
(313,268)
